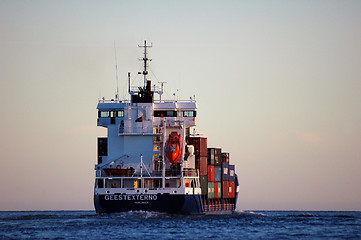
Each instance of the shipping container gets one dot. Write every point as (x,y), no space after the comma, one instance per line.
(225,174)
(217,173)
(204,184)
(225,157)
(210,173)
(232,190)
(217,156)
(197,162)
(203,167)
(220,190)
(225,189)
(200,145)
(210,155)
(210,189)
(217,190)
(231,171)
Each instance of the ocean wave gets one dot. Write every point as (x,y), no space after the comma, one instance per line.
(249,213)
(304,214)
(136,214)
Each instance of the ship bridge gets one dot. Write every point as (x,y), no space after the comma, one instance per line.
(142,118)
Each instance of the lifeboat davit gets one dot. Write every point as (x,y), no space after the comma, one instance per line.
(174,147)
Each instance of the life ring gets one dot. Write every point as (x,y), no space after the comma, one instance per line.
(119,167)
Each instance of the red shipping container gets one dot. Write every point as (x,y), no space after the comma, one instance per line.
(225,189)
(210,173)
(216,189)
(203,169)
(200,145)
(232,190)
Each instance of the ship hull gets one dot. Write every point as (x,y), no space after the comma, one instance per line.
(173,204)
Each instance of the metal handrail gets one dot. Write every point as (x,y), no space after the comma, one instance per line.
(155,101)
(113,101)
(135,130)
(101,165)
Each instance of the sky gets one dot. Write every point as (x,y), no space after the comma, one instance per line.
(278,85)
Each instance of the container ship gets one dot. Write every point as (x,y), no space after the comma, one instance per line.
(152,159)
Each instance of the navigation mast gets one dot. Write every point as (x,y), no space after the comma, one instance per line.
(145,60)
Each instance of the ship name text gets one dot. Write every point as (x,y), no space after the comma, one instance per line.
(131,197)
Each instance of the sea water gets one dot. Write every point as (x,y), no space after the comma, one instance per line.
(150,225)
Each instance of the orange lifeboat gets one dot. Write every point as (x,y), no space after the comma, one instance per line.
(174,147)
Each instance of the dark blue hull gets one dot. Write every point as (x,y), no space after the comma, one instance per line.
(174,204)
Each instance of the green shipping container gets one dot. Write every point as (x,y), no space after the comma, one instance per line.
(204,184)
(210,190)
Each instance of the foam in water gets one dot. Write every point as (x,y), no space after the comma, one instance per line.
(248,213)
(137,214)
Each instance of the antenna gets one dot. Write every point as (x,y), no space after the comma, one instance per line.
(116,72)
(175,94)
(161,90)
(145,59)
(128,82)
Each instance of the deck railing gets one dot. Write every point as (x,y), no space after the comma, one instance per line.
(155,101)
(149,130)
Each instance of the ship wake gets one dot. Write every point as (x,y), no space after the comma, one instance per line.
(139,214)
(249,213)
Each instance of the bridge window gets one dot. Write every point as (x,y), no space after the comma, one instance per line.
(161,113)
(103,114)
(117,113)
(171,113)
(120,113)
(189,114)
